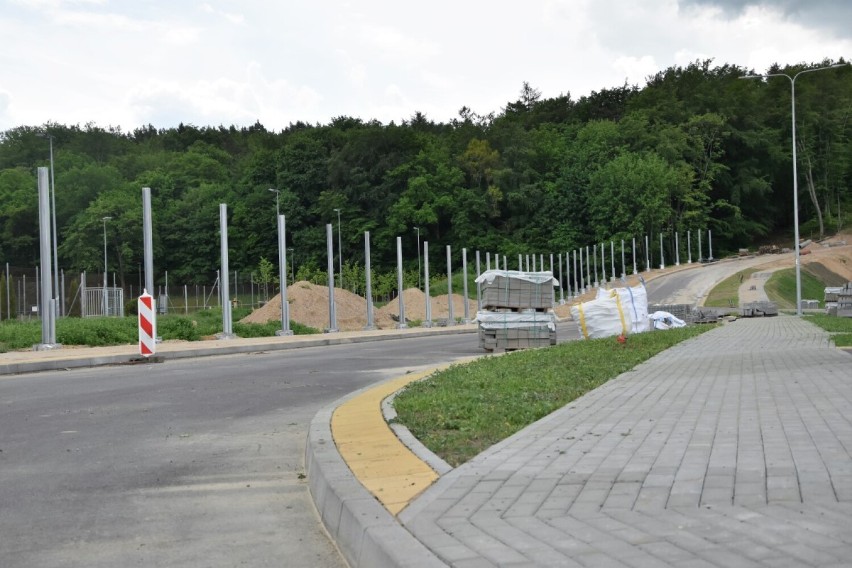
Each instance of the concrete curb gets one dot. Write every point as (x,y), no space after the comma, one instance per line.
(365,532)
(77,358)
(405,436)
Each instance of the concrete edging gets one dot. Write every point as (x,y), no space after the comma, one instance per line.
(366,534)
(407,438)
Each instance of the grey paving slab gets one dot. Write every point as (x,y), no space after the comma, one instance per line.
(733,449)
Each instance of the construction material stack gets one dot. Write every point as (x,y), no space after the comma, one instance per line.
(838,300)
(517,310)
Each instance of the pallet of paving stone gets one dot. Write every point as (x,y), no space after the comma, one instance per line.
(705,315)
(831,308)
(515,339)
(844,302)
(759,309)
(514,289)
(831,293)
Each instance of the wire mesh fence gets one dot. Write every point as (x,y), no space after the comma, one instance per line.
(91,295)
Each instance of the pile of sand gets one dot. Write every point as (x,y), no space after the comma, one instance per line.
(415,307)
(309,306)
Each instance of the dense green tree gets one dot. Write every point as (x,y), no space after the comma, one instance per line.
(695,148)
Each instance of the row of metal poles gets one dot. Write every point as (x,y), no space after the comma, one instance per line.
(580,284)
(50,301)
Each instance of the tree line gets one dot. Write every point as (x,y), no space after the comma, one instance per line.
(695,148)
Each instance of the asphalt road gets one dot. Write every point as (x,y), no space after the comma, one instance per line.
(691,285)
(196,462)
(185,463)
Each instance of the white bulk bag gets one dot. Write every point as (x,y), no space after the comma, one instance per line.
(603,317)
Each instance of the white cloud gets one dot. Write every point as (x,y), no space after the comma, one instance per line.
(636,69)
(233,18)
(222,61)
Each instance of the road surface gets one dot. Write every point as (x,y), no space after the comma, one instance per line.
(185,463)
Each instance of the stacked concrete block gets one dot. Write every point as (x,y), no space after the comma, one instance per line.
(509,289)
(759,309)
(831,293)
(508,331)
(844,301)
(516,310)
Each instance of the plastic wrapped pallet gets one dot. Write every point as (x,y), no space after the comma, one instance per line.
(510,330)
(517,290)
(522,319)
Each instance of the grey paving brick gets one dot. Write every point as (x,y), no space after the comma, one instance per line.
(732,449)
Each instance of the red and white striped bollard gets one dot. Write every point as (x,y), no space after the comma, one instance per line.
(147,324)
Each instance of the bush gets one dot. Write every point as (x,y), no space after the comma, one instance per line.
(178,327)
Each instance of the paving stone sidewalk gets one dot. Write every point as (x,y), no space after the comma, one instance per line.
(731,449)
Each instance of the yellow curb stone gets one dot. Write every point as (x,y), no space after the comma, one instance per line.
(380,461)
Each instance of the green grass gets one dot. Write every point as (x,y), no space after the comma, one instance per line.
(781,288)
(465,409)
(839,328)
(95,332)
(726,294)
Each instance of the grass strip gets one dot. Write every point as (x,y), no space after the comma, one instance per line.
(839,328)
(726,294)
(459,412)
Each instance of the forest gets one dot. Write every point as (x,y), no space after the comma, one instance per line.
(696,148)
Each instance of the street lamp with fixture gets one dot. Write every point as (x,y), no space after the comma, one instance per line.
(106,304)
(418,256)
(795,170)
(277,194)
(339,247)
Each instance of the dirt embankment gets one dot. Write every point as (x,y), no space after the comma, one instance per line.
(309,306)
(830,260)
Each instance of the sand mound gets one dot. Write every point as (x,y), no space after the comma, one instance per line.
(309,306)
(415,306)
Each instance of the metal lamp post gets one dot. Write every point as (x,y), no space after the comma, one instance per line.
(795,170)
(418,256)
(106,304)
(53,221)
(277,193)
(339,247)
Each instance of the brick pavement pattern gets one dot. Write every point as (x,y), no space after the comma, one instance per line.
(729,450)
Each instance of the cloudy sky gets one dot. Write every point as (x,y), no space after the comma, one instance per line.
(223,62)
